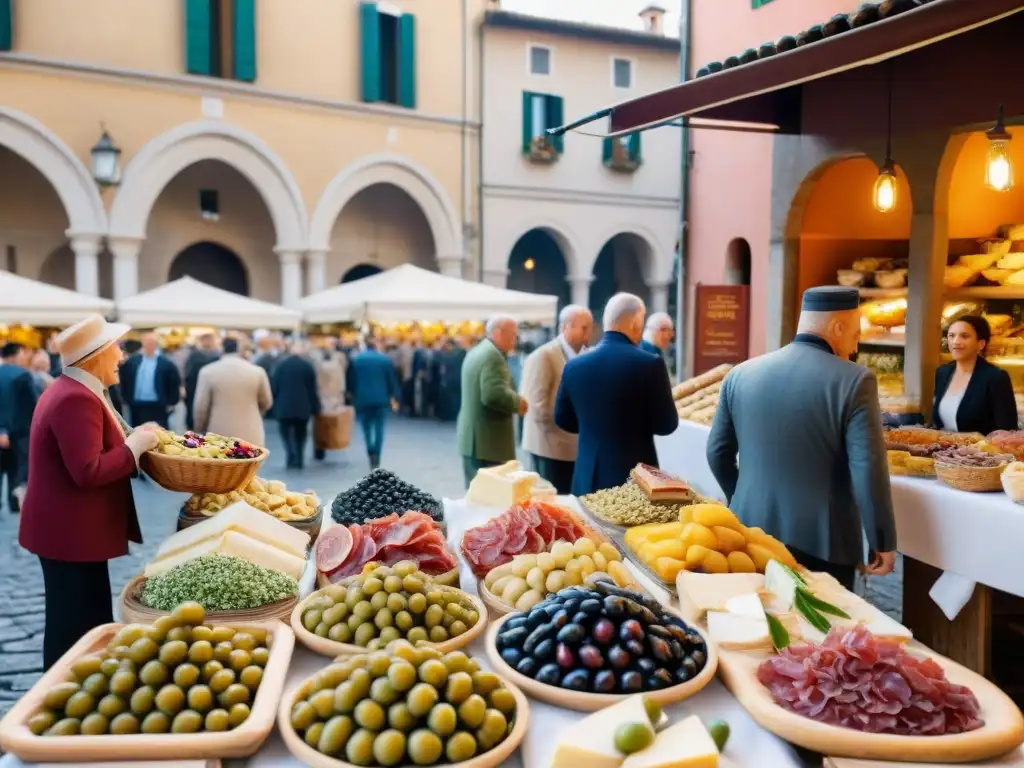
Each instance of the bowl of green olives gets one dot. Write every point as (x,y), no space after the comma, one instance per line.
(384,604)
(178,686)
(404,706)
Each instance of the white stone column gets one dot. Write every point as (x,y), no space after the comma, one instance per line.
(659,297)
(126,266)
(451,265)
(496,277)
(291,276)
(579,289)
(86,248)
(316,272)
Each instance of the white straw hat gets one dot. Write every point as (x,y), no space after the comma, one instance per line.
(88,336)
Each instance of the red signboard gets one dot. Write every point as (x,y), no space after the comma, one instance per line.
(722,326)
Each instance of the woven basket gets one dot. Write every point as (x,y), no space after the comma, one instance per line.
(133,610)
(310,525)
(975,479)
(189,474)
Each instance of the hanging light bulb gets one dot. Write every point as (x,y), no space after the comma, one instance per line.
(885,188)
(998,168)
(529,264)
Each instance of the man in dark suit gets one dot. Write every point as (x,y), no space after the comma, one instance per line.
(204,353)
(296,401)
(809,426)
(150,384)
(616,398)
(375,389)
(18,395)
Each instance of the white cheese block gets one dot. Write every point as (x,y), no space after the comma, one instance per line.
(684,745)
(234,544)
(737,632)
(746,605)
(503,486)
(703,592)
(782,584)
(591,742)
(244,519)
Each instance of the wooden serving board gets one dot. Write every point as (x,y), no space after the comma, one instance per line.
(592,702)
(1003,730)
(16,738)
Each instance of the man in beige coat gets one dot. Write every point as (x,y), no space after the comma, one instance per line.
(553,450)
(231,397)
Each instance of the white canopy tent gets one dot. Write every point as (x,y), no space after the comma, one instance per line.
(409,293)
(189,302)
(31,302)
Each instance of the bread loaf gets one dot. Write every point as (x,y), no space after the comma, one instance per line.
(699,395)
(690,386)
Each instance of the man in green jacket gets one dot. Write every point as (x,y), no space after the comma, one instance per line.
(486,430)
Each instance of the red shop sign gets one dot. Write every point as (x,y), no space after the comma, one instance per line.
(723,326)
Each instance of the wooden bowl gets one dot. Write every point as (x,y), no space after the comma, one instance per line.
(327,647)
(191,474)
(133,611)
(447,579)
(495,604)
(310,525)
(490,759)
(244,741)
(591,702)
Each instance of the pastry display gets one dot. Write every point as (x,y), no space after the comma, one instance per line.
(706,537)
(697,398)
(601,639)
(529,529)
(270,496)
(506,485)
(627,504)
(385,604)
(177,675)
(413,536)
(1008,441)
(528,579)
(380,494)
(208,446)
(409,706)
(905,463)
(885,314)
(660,486)
(971,456)
(218,583)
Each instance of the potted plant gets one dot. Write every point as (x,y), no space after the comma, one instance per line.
(542,150)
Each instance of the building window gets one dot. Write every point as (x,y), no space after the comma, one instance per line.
(622,73)
(622,153)
(6,25)
(540,60)
(221,38)
(755,4)
(542,111)
(209,204)
(388,55)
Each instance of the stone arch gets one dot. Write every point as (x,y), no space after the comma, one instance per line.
(164,157)
(659,261)
(566,241)
(68,176)
(212,263)
(407,175)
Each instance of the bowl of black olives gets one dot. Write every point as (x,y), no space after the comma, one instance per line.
(588,647)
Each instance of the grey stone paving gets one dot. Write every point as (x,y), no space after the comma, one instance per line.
(422,452)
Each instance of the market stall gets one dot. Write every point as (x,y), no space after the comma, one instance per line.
(409,293)
(187,302)
(30,302)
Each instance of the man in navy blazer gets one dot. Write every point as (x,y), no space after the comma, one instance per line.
(617,397)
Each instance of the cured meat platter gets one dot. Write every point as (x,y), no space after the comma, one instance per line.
(1003,728)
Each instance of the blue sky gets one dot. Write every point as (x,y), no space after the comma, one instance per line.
(615,13)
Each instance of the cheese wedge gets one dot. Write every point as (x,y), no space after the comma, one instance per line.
(703,592)
(591,742)
(684,745)
(234,544)
(737,632)
(503,486)
(746,605)
(244,519)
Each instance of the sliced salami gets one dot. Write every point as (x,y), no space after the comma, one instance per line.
(332,548)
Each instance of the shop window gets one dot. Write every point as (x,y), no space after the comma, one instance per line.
(737,262)
(540,60)
(388,55)
(6,25)
(622,73)
(622,153)
(541,112)
(221,38)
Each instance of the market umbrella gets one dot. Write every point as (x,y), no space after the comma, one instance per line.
(31,302)
(189,302)
(409,293)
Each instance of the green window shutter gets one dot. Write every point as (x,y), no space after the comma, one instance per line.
(6,25)
(607,148)
(634,148)
(198,56)
(407,60)
(554,120)
(245,40)
(370,30)
(527,121)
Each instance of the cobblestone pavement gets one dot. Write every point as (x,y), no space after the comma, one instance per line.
(422,452)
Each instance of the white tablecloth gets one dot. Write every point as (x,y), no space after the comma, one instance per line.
(977,535)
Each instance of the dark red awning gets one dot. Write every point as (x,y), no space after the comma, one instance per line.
(766,92)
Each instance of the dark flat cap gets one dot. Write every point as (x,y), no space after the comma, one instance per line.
(830,298)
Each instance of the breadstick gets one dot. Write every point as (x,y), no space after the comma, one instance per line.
(688,387)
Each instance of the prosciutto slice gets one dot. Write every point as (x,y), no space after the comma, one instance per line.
(392,539)
(856,680)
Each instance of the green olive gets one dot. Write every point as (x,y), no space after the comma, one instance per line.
(393,584)
(251,677)
(80,705)
(421,699)
(174,652)
(460,747)
(162,626)
(503,701)
(143,650)
(433,672)
(182,634)
(494,725)
(335,735)
(424,747)
(354,597)
(311,618)
(472,618)
(389,748)
(216,720)
(413,584)
(442,719)
(455,661)
(303,715)
(388,635)
(239,659)
(211,668)
(110,706)
(485,682)
(170,700)
(384,618)
(359,749)
(344,698)
(156,722)
(186,675)
(94,724)
(238,714)
(222,635)
(123,682)
(41,721)
(96,684)
(369,714)
(472,711)
(323,703)
(222,680)
(312,735)
(405,568)
(447,620)
(404,621)
(436,596)
(339,633)
(375,644)
(109,666)
(154,673)
(200,698)
(438,635)
(364,634)
(417,604)
(353,622)
(222,651)
(143,699)
(336,592)
(434,616)
(457,628)
(190,613)
(363,610)
(124,723)
(400,717)
(372,586)
(58,696)
(334,614)
(244,641)
(202,634)
(187,721)
(200,652)
(260,656)
(69,726)
(86,666)
(128,634)
(321,629)
(417,635)
(237,694)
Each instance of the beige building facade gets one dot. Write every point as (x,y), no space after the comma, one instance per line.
(578,215)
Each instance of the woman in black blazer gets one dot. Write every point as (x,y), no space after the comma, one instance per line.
(971,394)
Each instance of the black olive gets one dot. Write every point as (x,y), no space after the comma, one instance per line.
(604,682)
(659,630)
(635,647)
(514,623)
(677,650)
(571,634)
(577,680)
(660,649)
(619,657)
(647,666)
(535,618)
(544,650)
(682,675)
(560,619)
(527,666)
(581,618)
(631,630)
(569,593)
(615,607)
(591,606)
(514,638)
(653,683)
(664,676)
(511,656)
(590,657)
(549,674)
(572,605)
(700,658)
(631,682)
(537,636)
(690,666)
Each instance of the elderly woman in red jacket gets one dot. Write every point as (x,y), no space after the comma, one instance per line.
(79,511)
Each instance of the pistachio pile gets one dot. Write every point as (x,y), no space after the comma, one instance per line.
(218,583)
(628,505)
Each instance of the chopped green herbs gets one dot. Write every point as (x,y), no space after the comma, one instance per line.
(218,583)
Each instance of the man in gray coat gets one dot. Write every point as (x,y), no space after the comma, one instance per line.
(807,426)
